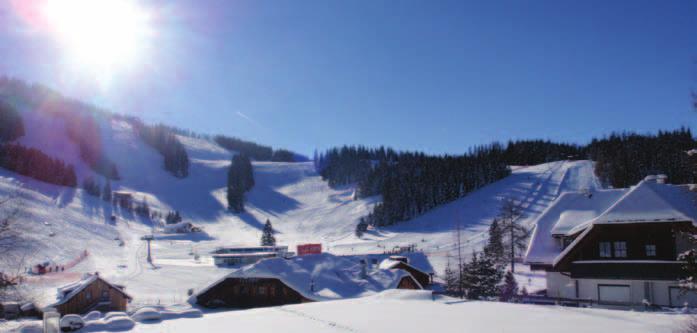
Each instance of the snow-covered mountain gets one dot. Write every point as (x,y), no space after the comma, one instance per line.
(58,223)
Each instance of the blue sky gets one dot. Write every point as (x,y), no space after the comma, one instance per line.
(436,76)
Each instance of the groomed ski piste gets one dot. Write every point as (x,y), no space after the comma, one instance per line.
(58,224)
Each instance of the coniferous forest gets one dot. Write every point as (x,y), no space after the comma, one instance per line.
(623,159)
(410,183)
(11,126)
(160,137)
(413,183)
(33,163)
(256,151)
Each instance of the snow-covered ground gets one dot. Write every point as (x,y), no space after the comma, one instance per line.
(58,224)
(413,311)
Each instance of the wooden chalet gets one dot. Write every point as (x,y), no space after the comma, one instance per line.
(617,247)
(401,262)
(279,281)
(90,293)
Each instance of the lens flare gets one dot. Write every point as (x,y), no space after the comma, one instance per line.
(103,35)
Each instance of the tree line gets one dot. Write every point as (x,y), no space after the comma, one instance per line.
(160,137)
(11,125)
(80,120)
(532,152)
(34,163)
(623,159)
(410,183)
(256,151)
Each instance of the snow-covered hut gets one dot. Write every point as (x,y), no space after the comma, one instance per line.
(180,228)
(320,277)
(89,293)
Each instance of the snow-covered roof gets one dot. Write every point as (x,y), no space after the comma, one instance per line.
(568,211)
(417,260)
(653,202)
(573,212)
(66,292)
(333,277)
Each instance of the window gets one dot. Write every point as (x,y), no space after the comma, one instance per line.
(621,249)
(262,291)
(105,295)
(605,250)
(88,295)
(650,250)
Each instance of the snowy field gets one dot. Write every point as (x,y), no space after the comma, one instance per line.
(413,311)
(408,311)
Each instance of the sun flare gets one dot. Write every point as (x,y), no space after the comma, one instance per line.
(102,35)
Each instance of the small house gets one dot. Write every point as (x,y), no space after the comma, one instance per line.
(309,278)
(416,263)
(233,256)
(181,228)
(617,247)
(402,262)
(90,293)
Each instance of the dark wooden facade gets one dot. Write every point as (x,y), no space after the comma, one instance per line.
(585,259)
(98,295)
(246,293)
(407,283)
(423,277)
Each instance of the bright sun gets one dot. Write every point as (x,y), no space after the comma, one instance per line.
(104,35)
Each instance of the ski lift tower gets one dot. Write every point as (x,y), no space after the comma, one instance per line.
(148,238)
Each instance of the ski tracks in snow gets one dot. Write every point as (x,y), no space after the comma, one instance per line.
(331,324)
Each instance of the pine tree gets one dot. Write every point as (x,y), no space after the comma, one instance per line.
(240,179)
(361,228)
(267,235)
(106,193)
(494,248)
(482,277)
(91,187)
(452,280)
(509,289)
(173,217)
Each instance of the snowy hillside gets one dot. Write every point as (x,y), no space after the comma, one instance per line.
(58,223)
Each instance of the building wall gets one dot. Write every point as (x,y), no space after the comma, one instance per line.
(249,293)
(561,286)
(81,303)
(407,283)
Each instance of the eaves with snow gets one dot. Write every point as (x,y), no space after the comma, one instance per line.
(572,214)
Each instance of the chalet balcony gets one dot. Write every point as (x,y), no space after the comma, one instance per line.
(628,269)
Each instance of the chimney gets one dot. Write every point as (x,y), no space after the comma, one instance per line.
(650,179)
(661,179)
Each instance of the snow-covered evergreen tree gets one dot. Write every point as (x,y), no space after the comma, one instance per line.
(267,235)
(240,179)
(106,192)
(361,227)
(481,277)
(509,289)
(452,280)
(494,248)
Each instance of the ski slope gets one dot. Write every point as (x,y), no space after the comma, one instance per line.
(58,223)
